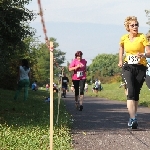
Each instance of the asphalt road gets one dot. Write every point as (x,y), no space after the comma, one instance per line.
(102,125)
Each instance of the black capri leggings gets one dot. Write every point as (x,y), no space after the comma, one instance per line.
(77,84)
(134,76)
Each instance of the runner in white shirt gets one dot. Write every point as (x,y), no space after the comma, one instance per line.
(86,87)
(96,86)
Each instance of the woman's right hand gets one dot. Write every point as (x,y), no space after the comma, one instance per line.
(120,64)
(78,66)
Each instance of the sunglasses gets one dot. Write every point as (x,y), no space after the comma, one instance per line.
(134,25)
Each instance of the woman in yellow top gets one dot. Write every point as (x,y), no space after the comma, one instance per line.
(134,68)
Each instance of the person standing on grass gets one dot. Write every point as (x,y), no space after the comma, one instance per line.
(147,79)
(86,87)
(134,65)
(47,87)
(78,66)
(99,85)
(23,80)
(93,87)
(34,86)
(96,86)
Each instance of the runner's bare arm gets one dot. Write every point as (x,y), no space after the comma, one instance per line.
(74,68)
(147,51)
(147,54)
(121,52)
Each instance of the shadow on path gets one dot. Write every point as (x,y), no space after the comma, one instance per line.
(103,114)
(104,122)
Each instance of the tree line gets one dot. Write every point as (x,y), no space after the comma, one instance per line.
(18,41)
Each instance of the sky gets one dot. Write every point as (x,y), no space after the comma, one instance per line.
(92,26)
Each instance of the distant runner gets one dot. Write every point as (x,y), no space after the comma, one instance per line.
(78,65)
(65,82)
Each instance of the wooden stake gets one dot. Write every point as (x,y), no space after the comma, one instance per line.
(51,96)
(61,77)
(59,94)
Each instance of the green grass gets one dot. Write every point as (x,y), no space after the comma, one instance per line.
(24,125)
(113,92)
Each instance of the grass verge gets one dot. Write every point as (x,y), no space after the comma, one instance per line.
(113,92)
(25,124)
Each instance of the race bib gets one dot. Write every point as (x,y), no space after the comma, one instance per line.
(65,81)
(132,59)
(79,74)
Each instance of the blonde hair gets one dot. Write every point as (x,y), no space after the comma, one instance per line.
(128,20)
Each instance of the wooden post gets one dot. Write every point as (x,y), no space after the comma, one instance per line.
(62,72)
(59,94)
(51,96)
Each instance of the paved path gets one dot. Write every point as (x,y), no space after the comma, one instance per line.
(102,125)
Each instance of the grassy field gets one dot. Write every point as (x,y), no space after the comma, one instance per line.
(113,92)
(24,125)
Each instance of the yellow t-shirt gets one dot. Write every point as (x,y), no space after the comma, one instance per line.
(134,47)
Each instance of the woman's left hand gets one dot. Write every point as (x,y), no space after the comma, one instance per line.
(140,55)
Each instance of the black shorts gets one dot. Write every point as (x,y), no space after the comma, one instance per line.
(79,84)
(64,87)
(134,76)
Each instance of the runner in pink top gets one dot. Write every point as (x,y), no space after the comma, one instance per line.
(79,73)
(78,66)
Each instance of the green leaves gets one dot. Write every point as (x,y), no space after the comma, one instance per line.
(148,16)
(43,61)
(105,65)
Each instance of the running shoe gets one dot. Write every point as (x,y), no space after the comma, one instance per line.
(80,108)
(122,84)
(133,123)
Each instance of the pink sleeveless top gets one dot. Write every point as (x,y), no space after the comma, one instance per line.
(81,70)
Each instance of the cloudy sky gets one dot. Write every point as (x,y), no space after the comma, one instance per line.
(92,26)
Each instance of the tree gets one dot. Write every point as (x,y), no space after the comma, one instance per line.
(14,29)
(105,65)
(148,15)
(43,61)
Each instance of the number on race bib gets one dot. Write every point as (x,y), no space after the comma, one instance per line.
(79,74)
(132,59)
